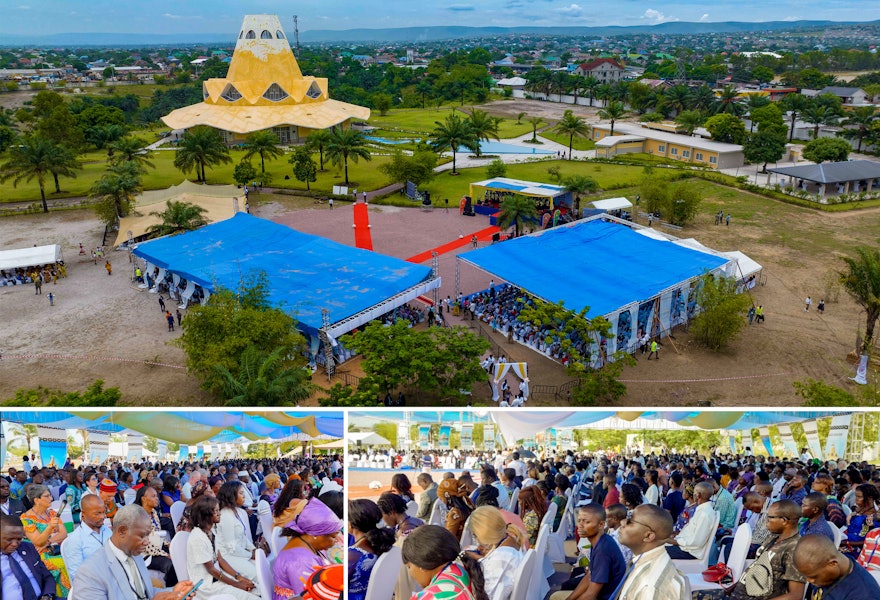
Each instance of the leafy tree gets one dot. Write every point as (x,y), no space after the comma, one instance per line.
(418,168)
(514,210)
(579,184)
(483,126)
(33,158)
(151,443)
(347,144)
(570,329)
(861,280)
(684,204)
(764,147)
(424,88)
(63,164)
(763,74)
(244,172)
(819,114)
(769,117)
(729,101)
(573,125)
(726,128)
(722,313)
(133,150)
(116,191)
(319,140)
(590,84)
(496,168)
(178,217)
(264,379)
(535,122)
(452,134)
(612,112)
(861,118)
(820,394)
(382,103)
(367,393)
(795,104)
(690,120)
(219,332)
(304,168)
(94,395)
(262,143)
(827,149)
(201,147)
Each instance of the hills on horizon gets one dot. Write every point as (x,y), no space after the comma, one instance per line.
(416,34)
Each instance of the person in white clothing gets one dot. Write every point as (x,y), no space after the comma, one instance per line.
(690,543)
(233,531)
(499,550)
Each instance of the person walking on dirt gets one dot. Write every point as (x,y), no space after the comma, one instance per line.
(759,313)
(109,268)
(51,297)
(38,284)
(161,303)
(170,318)
(655,350)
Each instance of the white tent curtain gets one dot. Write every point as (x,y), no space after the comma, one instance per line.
(521,370)
(135,446)
(747,440)
(160,277)
(518,425)
(765,439)
(811,430)
(99,446)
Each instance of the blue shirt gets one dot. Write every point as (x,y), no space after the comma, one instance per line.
(81,544)
(11,587)
(858,585)
(607,566)
(820,527)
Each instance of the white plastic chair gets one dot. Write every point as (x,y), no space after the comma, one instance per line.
(739,512)
(698,566)
(737,560)
(438,514)
(542,545)
(558,537)
(543,568)
(524,577)
(267,524)
(383,576)
(412,507)
(838,534)
(178,554)
(275,544)
(467,537)
(550,515)
(513,504)
(176,511)
(265,577)
(128,496)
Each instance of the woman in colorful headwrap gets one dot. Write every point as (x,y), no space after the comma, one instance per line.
(685,515)
(433,558)
(311,533)
(107,492)
(454,495)
(44,529)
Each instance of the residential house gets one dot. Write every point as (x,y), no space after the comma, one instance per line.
(606,70)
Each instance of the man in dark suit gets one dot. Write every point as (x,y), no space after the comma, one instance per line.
(23,573)
(8,505)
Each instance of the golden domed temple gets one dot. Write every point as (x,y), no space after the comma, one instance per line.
(265,89)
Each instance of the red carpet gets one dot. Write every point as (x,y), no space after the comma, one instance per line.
(362,236)
(482,235)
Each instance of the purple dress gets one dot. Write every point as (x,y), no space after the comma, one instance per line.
(291,566)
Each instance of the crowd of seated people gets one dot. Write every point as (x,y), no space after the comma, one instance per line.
(117,524)
(642,522)
(29,275)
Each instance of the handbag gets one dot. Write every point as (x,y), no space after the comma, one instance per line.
(716,573)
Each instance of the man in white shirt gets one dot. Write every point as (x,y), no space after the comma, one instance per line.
(519,466)
(690,543)
(89,537)
(186,491)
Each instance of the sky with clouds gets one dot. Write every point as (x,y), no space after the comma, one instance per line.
(38,17)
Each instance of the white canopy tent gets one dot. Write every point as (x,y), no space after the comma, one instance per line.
(366,438)
(30,257)
(612,204)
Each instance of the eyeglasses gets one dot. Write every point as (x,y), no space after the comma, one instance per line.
(777,517)
(629,519)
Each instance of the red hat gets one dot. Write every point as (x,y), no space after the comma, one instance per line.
(324,584)
(107,485)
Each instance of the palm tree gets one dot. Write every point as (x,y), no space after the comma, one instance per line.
(514,209)
(572,125)
(795,104)
(678,98)
(577,185)
(729,101)
(484,126)
(589,85)
(201,147)
(424,88)
(116,191)
(453,133)
(63,164)
(862,117)
(132,149)
(33,158)
(264,380)
(263,143)
(347,144)
(615,110)
(861,280)
(178,217)
(319,140)
(535,122)
(819,114)
(690,120)
(561,81)
(702,98)
(603,92)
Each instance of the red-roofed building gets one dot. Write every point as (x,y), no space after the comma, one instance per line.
(606,70)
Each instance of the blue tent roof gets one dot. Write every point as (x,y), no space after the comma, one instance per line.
(600,264)
(306,273)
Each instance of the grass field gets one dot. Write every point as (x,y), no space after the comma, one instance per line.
(425,120)
(579,143)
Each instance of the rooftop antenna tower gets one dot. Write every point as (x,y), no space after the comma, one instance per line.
(296,35)
(681,66)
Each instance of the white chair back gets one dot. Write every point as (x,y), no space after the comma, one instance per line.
(56,504)
(412,508)
(698,566)
(556,548)
(524,575)
(267,524)
(513,504)
(177,512)
(550,515)
(178,554)
(128,496)
(739,512)
(467,537)
(739,550)
(542,545)
(384,575)
(838,534)
(265,577)
(275,543)
(438,514)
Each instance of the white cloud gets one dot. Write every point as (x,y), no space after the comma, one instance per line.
(572,10)
(171,16)
(23,7)
(792,18)
(704,18)
(655,16)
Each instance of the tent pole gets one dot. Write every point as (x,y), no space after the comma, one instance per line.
(328,348)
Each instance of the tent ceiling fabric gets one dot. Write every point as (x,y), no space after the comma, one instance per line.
(193,427)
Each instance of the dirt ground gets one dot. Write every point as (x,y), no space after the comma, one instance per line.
(101,327)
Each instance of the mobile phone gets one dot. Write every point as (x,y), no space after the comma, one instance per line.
(192,592)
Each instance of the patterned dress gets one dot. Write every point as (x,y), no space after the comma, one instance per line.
(452,583)
(33,523)
(359,573)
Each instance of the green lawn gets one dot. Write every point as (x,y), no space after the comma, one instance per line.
(579,143)
(424,121)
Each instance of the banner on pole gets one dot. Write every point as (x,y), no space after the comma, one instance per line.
(732,441)
(747,441)
(489,436)
(99,447)
(788,440)
(402,435)
(183,454)
(424,435)
(467,436)
(53,446)
(765,439)
(550,439)
(135,447)
(162,450)
(566,439)
(445,434)
(811,430)
(835,445)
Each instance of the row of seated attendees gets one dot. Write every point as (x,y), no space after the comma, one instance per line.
(29,275)
(647,527)
(227,515)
